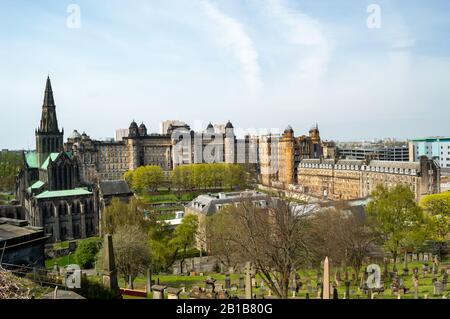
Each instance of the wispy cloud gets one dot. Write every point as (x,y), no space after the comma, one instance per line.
(305,32)
(239,42)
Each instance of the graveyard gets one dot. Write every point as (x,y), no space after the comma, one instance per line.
(307,285)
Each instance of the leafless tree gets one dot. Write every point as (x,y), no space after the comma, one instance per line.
(272,238)
(131,251)
(345,237)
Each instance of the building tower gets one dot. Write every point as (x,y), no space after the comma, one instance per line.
(286,157)
(314,135)
(230,144)
(48,137)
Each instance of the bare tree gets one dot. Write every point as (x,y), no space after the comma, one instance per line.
(343,236)
(131,251)
(272,238)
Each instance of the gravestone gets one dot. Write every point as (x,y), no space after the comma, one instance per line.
(158,291)
(444,280)
(405,265)
(415,280)
(438,288)
(173,293)
(414,257)
(210,285)
(424,270)
(347,289)
(227,281)
(109,278)
(241,283)
(148,287)
(335,293)
(420,256)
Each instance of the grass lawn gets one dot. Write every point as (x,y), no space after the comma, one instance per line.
(61,261)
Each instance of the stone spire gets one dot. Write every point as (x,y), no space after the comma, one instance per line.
(49,122)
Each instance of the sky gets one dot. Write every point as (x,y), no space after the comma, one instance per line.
(361,69)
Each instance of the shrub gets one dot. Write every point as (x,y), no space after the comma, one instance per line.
(95,290)
(86,252)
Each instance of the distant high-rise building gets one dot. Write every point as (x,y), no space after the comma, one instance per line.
(437,148)
(121,133)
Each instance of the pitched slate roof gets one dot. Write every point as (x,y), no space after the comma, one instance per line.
(117,187)
(206,204)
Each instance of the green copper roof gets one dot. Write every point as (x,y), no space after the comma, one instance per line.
(433,139)
(53,156)
(63,193)
(36,185)
(31,159)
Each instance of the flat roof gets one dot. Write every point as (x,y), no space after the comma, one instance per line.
(432,139)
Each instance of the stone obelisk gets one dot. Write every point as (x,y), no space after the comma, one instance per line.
(109,266)
(326,279)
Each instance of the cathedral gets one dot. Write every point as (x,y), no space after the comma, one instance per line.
(49,186)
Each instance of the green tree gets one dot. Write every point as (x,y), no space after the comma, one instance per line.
(437,207)
(119,213)
(169,246)
(184,237)
(396,216)
(147,179)
(86,252)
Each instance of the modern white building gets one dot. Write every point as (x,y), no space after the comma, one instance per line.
(437,148)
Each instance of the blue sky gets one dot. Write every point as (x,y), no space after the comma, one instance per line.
(263,64)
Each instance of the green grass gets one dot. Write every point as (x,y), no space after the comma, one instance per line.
(61,261)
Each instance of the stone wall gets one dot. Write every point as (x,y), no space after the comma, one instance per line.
(12,211)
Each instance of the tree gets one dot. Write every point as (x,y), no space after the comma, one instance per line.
(181,178)
(272,238)
(86,252)
(396,216)
(184,237)
(219,233)
(131,251)
(147,178)
(168,247)
(119,213)
(437,207)
(343,236)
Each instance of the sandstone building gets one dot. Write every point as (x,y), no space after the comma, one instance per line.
(350,179)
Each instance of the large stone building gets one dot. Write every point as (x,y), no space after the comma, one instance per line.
(106,160)
(49,187)
(279,156)
(351,179)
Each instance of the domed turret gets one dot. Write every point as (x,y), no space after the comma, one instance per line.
(133,130)
(289,129)
(75,135)
(229,125)
(84,136)
(210,128)
(142,130)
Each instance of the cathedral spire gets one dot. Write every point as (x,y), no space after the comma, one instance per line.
(48,96)
(49,122)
